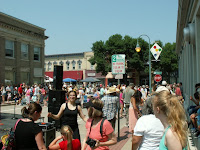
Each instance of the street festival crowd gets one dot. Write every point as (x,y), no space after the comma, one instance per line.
(156,119)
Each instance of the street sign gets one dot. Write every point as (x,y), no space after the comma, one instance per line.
(156,51)
(157,78)
(157,72)
(118,64)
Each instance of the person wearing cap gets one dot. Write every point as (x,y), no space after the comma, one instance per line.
(110,101)
(127,94)
(164,83)
(98,128)
(20,91)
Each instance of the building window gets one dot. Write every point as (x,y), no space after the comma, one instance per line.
(45,69)
(79,64)
(24,51)
(67,63)
(61,63)
(9,48)
(73,65)
(37,53)
(92,67)
(49,66)
(55,63)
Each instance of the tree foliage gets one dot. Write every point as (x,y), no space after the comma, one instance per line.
(116,44)
(169,60)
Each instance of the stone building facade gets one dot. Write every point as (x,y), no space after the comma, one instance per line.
(75,65)
(188,46)
(21,51)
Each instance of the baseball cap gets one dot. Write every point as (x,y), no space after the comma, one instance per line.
(164,83)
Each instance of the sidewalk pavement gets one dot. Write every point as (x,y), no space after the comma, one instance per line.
(8,121)
(124,143)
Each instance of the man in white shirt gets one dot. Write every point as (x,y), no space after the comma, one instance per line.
(148,130)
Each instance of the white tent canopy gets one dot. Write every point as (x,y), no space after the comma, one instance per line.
(48,79)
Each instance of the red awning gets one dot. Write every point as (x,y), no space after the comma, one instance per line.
(77,75)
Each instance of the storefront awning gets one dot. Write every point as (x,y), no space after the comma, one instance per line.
(77,75)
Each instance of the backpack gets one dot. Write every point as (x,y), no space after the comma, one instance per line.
(10,142)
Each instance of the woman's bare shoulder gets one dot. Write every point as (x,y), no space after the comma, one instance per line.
(172,138)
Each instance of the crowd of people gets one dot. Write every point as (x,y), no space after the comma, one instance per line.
(155,119)
(24,94)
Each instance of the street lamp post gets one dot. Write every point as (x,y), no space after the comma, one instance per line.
(138,50)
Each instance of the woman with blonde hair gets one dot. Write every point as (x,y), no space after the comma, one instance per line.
(100,133)
(68,142)
(171,113)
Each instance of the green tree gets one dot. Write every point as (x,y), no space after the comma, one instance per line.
(168,60)
(116,44)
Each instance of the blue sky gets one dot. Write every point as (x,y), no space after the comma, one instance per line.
(73,25)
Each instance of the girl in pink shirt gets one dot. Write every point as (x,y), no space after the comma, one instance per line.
(28,95)
(101,139)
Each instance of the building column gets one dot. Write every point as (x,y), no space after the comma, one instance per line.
(2,58)
(18,62)
(42,59)
(197,38)
(31,63)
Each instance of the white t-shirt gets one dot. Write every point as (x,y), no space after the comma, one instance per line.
(151,129)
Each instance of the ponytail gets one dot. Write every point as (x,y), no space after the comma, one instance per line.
(67,132)
(24,112)
(27,112)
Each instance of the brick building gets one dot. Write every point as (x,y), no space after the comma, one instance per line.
(21,51)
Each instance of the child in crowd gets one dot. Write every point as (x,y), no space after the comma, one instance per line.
(16,98)
(23,101)
(68,143)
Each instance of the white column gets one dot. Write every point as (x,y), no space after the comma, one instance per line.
(197,38)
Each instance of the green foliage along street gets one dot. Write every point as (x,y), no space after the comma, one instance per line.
(117,44)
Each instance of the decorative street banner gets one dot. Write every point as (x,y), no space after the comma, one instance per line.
(156,51)
(118,64)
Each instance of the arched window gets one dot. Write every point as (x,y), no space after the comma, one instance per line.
(67,63)
(49,66)
(61,63)
(55,63)
(79,64)
(73,65)
(92,67)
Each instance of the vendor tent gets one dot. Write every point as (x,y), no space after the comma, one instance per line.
(69,80)
(90,79)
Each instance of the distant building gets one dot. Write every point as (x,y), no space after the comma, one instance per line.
(21,51)
(75,65)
